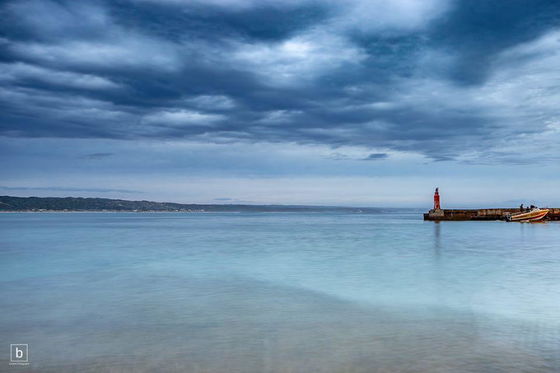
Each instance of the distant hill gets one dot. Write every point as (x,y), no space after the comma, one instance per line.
(8,203)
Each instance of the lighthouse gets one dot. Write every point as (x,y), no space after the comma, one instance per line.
(436,200)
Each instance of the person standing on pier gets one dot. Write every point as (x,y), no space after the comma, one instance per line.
(436,200)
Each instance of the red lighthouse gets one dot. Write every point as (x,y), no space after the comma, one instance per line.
(436,200)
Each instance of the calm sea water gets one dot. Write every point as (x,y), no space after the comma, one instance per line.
(278,292)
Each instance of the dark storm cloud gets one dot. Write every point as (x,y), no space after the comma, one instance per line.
(428,77)
(376,156)
(264,22)
(98,155)
(477,31)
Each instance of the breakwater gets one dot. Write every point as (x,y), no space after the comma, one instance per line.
(481,214)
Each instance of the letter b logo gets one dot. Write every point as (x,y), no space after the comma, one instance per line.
(19,353)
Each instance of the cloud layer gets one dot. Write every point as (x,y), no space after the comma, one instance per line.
(448,79)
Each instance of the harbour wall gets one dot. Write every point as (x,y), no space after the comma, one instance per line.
(481,214)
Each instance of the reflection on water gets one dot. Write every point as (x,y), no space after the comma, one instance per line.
(279,293)
(437,238)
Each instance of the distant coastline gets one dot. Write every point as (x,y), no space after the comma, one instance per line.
(80,204)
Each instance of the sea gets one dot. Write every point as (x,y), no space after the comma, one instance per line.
(328,291)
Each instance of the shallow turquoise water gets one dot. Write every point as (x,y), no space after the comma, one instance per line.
(279,292)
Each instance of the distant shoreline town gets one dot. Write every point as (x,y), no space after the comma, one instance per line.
(80,204)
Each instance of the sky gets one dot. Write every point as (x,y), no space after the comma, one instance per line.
(331,102)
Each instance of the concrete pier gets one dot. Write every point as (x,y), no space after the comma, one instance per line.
(481,214)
